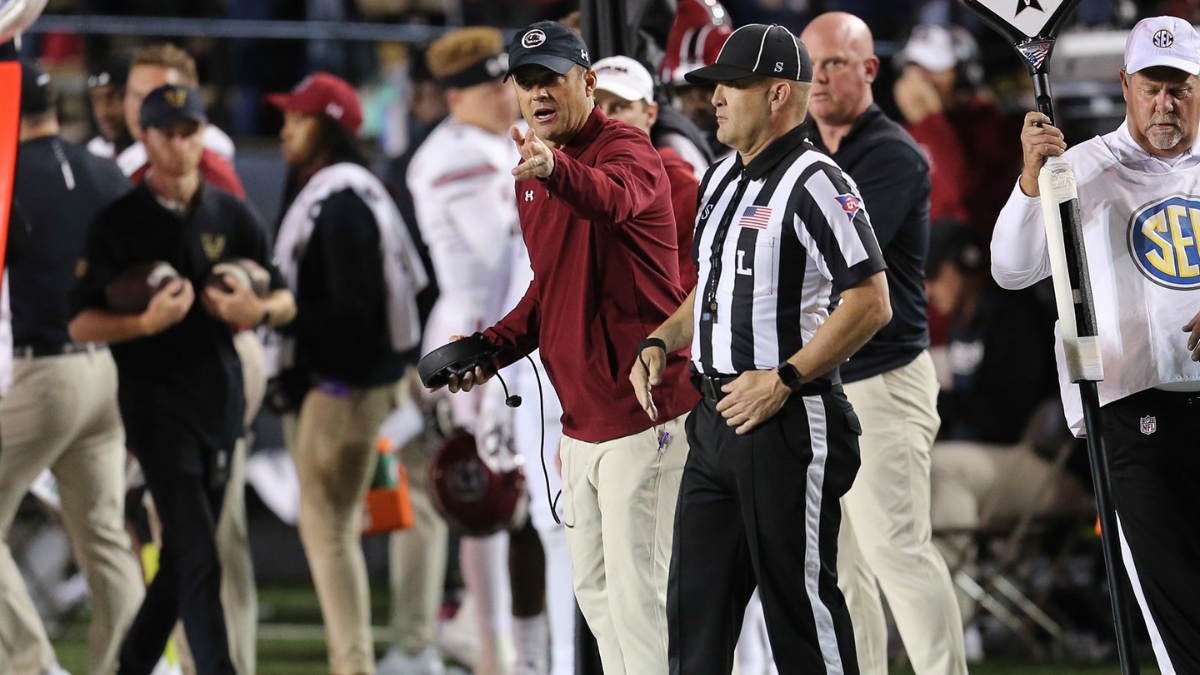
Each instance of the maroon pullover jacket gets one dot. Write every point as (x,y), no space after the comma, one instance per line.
(602,241)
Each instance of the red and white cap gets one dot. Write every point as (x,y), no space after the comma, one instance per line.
(1163,41)
(697,35)
(624,77)
(323,94)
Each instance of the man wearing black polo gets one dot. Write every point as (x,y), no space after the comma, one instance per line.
(62,411)
(181,393)
(886,537)
(781,236)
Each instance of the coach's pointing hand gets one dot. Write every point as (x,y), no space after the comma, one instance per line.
(539,160)
(1039,140)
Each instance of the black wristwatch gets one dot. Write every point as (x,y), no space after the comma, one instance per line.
(790,376)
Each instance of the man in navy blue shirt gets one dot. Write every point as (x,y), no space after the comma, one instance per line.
(886,534)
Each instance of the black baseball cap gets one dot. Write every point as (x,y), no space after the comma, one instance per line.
(113,70)
(36,94)
(757,49)
(169,104)
(549,44)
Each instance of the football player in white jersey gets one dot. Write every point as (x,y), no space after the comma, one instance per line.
(535,430)
(465,204)
(1139,199)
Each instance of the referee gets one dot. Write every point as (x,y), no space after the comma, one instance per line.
(780,236)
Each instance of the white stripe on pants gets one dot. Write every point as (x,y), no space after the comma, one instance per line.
(619,507)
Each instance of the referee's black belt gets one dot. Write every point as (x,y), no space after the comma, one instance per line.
(710,387)
(40,349)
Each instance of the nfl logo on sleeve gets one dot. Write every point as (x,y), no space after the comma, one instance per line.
(1149,425)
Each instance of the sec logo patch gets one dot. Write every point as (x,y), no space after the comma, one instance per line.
(1162,241)
(850,205)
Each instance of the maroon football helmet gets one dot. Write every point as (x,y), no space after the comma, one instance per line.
(475,496)
(700,30)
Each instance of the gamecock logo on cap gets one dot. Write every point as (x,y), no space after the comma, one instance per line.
(533,38)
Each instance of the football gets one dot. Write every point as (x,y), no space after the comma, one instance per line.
(131,291)
(246,270)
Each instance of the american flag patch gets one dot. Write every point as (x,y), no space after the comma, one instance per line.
(756,216)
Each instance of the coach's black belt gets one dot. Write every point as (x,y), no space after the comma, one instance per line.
(39,350)
(710,387)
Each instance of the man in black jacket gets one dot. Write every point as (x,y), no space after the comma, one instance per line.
(181,395)
(886,534)
(61,413)
(345,249)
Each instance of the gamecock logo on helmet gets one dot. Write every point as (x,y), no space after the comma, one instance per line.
(473,496)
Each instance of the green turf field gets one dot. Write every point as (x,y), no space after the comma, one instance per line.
(290,642)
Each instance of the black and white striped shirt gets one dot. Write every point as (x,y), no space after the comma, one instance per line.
(796,235)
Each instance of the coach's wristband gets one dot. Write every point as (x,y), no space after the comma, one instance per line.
(650,342)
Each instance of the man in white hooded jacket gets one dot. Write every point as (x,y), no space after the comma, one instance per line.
(1139,197)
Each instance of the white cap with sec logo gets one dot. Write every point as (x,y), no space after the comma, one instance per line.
(624,77)
(1163,41)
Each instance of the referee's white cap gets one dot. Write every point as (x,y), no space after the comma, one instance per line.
(1163,41)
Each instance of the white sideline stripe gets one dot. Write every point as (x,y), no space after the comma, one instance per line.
(1160,649)
(823,619)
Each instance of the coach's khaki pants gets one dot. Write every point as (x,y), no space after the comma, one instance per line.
(619,508)
(886,533)
(335,454)
(62,414)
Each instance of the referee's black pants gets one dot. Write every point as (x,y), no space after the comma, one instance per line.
(1153,443)
(187,585)
(763,509)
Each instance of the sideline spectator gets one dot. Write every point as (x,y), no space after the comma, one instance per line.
(106,89)
(625,92)
(151,68)
(885,541)
(949,112)
(345,251)
(181,390)
(62,411)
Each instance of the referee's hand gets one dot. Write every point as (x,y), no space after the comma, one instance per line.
(647,372)
(753,398)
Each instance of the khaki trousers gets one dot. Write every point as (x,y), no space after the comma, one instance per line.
(335,455)
(62,414)
(239,595)
(619,501)
(980,486)
(885,541)
(418,554)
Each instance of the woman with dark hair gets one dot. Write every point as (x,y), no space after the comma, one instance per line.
(346,253)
